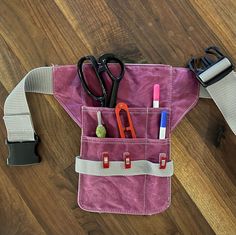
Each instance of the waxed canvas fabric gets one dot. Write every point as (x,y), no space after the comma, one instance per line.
(138,194)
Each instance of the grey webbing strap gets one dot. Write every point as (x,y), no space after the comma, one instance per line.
(17,115)
(223,93)
(204,93)
(215,72)
(139,167)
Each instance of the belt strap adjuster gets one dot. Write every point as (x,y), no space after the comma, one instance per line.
(211,67)
(23,153)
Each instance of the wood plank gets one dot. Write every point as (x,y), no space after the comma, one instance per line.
(98,32)
(183,211)
(42,199)
(15,216)
(165,32)
(221,20)
(203,186)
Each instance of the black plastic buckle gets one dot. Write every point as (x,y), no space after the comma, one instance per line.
(23,153)
(212,57)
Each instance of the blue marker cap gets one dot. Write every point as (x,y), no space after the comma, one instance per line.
(163,119)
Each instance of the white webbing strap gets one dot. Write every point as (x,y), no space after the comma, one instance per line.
(223,93)
(203,93)
(139,167)
(220,81)
(17,115)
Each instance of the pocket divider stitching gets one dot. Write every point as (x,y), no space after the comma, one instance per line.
(140,149)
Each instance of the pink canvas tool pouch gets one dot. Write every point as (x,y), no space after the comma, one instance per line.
(128,176)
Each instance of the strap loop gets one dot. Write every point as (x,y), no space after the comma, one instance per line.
(139,167)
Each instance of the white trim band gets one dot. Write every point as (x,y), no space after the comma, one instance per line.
(139,167)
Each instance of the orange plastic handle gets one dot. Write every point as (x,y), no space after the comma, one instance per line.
(119,107)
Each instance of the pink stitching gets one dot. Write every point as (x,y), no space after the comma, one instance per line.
(188,109)
(165,206)
(140,111)
(57,96)
(145,157)
(162,142)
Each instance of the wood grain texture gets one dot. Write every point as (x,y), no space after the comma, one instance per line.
(42,199)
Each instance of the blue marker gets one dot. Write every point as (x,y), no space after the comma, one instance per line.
(163,123)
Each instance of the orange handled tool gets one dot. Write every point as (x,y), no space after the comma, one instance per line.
(130,127)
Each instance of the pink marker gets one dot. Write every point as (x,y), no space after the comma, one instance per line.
(156,96)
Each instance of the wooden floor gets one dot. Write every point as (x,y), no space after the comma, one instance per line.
(42,199)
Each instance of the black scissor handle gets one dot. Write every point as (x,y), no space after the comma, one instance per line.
(103,98)
(100,67)
(105,59)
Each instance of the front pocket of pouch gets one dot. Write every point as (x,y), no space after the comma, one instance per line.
(146,121)
(118,194)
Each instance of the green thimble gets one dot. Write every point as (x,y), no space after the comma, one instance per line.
(100,130)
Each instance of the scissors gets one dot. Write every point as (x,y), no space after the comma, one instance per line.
(100,66)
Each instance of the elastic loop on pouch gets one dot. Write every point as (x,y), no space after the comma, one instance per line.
(139,167)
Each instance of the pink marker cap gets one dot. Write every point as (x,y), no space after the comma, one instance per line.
(156,92)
